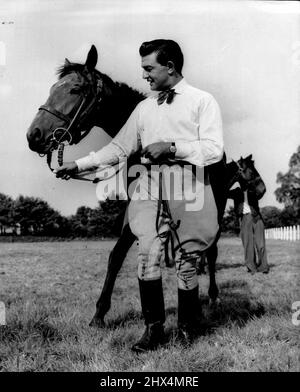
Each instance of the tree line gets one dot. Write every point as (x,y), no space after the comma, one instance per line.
(34,216)
(272,217)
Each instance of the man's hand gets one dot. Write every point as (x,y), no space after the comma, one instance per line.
(66,171)
(157,151)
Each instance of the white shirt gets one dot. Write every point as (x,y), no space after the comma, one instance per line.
(246,207)
(193,121)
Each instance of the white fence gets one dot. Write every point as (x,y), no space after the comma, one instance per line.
(290,233)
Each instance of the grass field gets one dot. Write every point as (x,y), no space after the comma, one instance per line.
(50,291)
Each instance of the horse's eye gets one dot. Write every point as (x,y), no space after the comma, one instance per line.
(75,90)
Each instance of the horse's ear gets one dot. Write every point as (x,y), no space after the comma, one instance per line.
(67,62)
(250,156)
(92,58)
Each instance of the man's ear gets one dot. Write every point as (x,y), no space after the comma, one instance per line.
(171,67)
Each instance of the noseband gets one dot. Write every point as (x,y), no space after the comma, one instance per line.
(65,132)
(62,136)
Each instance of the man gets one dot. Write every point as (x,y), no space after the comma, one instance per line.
(252,227)
(181,124)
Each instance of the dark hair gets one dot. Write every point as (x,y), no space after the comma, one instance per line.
(166,50)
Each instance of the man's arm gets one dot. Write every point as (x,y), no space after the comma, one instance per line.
(121,146)
(210,146)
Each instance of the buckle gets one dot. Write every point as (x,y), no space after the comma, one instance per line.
(62,135)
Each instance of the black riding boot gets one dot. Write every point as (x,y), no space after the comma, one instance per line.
(153,309)
(188,314)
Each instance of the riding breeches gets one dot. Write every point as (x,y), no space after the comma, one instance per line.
(196,231)
(142,220)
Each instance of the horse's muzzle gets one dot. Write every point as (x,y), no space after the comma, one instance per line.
(37,142)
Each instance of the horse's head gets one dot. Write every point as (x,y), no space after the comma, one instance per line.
(249,178)
(67,115)
(247,170)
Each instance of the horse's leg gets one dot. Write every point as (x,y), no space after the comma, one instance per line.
(115,261)
(211,255)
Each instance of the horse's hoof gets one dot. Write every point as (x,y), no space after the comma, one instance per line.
(214,302)
(97,322)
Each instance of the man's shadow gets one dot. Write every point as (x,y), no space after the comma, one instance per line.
(237,306)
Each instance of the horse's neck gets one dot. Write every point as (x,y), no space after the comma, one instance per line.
(232,170)
(115,109)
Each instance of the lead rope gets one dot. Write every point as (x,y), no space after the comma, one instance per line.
(60,159)
(75,176)
(60,154)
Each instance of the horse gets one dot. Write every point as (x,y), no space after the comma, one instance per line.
(82,98)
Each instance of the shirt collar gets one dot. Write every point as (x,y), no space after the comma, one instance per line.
(180,86)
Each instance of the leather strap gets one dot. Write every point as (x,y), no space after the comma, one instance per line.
(55,112)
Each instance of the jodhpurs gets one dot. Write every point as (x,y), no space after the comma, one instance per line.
(142,219)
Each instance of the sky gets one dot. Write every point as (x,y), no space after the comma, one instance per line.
(245,53)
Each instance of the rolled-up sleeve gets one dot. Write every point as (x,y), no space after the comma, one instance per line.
(120,147)
(209,148)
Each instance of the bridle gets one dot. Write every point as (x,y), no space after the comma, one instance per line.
(63,136)
(237,175)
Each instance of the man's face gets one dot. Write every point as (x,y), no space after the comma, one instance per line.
(156,74)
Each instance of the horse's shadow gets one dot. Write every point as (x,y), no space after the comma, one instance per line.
(235,308)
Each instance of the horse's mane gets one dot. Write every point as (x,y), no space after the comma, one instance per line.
(231,165)
(121,90)
(124,91)
(69,67)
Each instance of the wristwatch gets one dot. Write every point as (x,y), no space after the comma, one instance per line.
(172,150)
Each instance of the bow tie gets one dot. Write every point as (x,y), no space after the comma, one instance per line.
(166,95)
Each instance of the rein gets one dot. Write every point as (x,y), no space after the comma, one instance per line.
(163,210)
